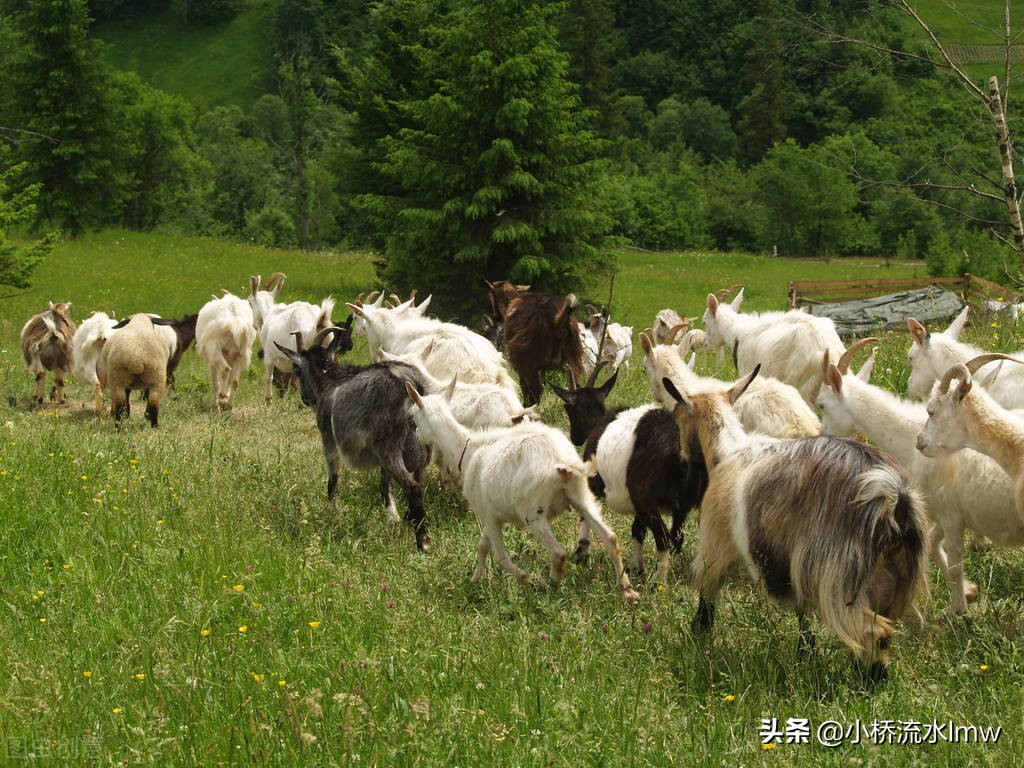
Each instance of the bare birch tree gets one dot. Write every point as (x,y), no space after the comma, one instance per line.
(993,97)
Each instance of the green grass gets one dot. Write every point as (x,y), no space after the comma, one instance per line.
(147,552)
(210,66)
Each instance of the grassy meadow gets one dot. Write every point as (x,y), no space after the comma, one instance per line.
(184,596)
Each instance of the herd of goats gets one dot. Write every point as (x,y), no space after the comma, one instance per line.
(825,522)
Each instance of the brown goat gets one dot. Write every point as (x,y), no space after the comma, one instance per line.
(540,333)
(46,346)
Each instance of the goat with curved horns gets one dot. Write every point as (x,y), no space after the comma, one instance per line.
(825,523)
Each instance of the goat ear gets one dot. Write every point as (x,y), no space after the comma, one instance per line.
(254,283)
(348,321)
(449,391)
(917,332)
(413,394)
(646,344)
(864,374)
(737,300)
(121,324)
(834,378)
(692,362)
(712,304)
(356,309)
(291,354)
(741,386)
(958,324)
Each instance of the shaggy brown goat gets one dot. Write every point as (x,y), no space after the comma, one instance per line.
(540,333)
(46,346)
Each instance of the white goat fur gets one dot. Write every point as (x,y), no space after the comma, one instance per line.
(788,345)
(523,476)
(87,349)
(768,407)
(280,324)
(664,322)
(446,349)
(932,354)
(964,489)
(963,415)
(225,333)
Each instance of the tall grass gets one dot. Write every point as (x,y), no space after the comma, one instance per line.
(184,596)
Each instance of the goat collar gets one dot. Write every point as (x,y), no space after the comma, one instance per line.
(463,454)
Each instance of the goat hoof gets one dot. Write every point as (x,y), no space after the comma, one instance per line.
(970,591)
(876,674)
(582,554)
(422,541)
(631,596)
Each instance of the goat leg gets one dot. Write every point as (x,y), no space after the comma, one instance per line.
(639,531)
(806,642)
(390,509)
(661,544)
(541,528)
(704,618)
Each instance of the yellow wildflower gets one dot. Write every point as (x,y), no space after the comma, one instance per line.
(314,624)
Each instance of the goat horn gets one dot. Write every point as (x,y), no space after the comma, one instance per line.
(847,357)
(593,310)
(318,340)
(593,374)
(674,331)
(573,385)
(412,293)
(298,340)
(394,298)
(974,364)
(276,277)
(957,371)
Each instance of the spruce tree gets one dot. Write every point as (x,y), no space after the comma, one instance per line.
(73,140)
(497,169)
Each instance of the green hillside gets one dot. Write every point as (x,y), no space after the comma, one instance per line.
(210,66)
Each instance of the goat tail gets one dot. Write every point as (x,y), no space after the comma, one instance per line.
(880,569)
(572,470)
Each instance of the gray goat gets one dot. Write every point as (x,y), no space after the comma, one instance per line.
(363,414)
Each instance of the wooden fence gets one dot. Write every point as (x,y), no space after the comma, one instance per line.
(972,289)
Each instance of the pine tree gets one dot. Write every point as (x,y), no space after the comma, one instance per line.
(497,170)
(73,140)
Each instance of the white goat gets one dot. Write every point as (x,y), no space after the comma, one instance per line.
(932,354)
(524,475)
(453,349)
(225,333)
(962,489)
(613,340)
(789,345)
(769,406)
(665,323)
(87,349)
(966,416)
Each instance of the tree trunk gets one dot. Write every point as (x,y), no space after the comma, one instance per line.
(995,107)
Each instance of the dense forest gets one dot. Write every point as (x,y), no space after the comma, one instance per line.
(517,138)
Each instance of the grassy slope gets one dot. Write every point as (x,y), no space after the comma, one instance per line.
(202,605)
(223,65)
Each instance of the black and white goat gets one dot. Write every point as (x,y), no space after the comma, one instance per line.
(363,416)
(639,469)
(825,523)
